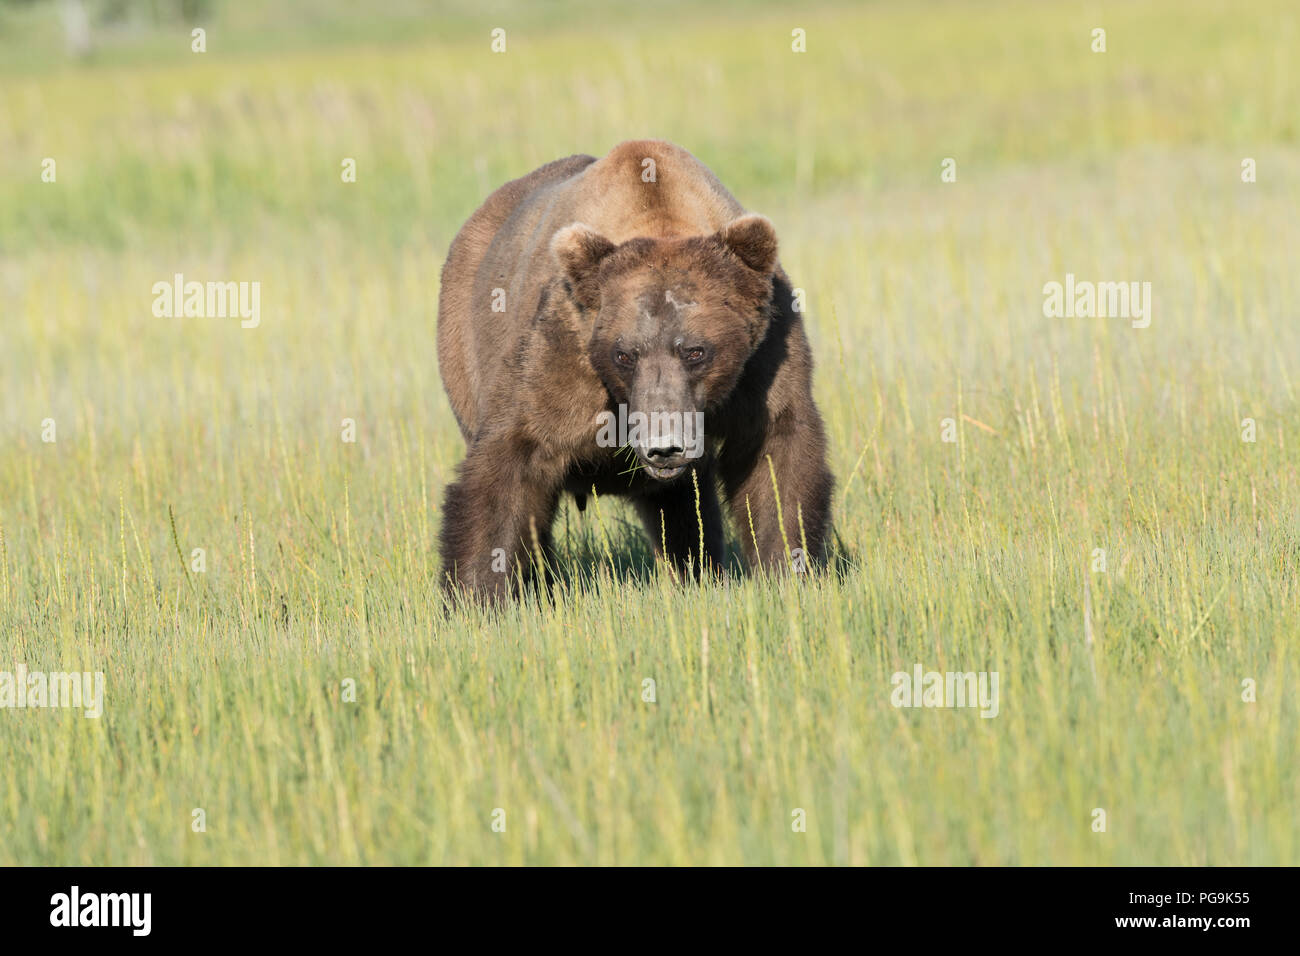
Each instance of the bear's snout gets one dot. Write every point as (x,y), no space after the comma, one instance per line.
(666,441)
(667,430)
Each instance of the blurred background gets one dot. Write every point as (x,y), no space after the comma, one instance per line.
(925,304)
(227,162)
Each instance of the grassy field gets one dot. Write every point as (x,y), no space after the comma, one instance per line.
(1120,689)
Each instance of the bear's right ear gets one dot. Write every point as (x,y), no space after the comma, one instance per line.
(579,249)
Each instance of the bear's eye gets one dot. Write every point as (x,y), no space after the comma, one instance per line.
(694,355)
(623,358)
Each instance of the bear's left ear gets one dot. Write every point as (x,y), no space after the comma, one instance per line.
(753,239)
(579,249)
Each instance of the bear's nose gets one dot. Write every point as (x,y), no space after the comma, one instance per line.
(662,451)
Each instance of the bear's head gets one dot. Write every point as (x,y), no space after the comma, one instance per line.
(670,324)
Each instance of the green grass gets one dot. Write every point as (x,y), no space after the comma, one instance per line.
(224,689)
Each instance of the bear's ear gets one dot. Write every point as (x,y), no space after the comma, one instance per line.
(753,239)
(579,249)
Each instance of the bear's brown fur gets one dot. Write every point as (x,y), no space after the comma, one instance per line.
(633,280)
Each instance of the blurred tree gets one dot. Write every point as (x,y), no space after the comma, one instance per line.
(76,26)
(77,16)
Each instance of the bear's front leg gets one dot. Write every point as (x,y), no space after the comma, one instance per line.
(782,509)
(496,521)
(675,528)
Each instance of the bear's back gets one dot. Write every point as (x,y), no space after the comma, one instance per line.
(488,249)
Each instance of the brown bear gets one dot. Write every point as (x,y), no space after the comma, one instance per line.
(622,326)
